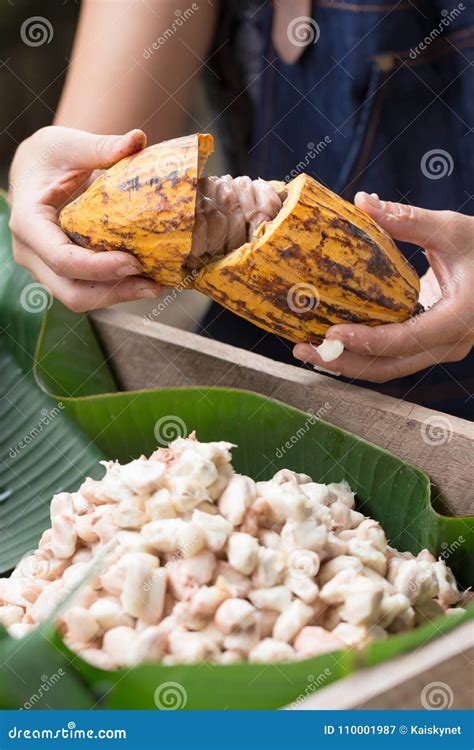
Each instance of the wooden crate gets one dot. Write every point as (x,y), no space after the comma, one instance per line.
(147,354)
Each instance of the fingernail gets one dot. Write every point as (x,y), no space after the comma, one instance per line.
(147,293)
(301,352)
(343,334)
(373,200)
(128,271)
(138,134)
(336,333)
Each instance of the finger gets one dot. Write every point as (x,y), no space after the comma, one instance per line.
(81,296)
(381,369)
(83,150)
(41,235)
(430,290)
(429,229)
(443,324)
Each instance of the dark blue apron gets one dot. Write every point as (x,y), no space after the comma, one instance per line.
(385,84)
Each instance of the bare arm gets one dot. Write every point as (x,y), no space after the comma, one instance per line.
(118,81)
(134,66)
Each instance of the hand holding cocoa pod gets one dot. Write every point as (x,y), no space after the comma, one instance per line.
(50,168)
(308,259)
(444,333)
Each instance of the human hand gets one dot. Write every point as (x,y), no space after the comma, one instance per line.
(48,169)
(445,332)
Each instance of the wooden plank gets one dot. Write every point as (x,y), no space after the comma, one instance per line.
(147,354)
(439,674)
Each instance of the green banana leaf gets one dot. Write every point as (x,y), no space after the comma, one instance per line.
(52,366)
(247,686)
(42,450)
(36,674)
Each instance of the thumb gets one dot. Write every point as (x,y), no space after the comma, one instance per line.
(89,151)
(419,226)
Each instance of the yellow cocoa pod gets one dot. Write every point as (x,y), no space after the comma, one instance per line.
(321,261)
(144,205)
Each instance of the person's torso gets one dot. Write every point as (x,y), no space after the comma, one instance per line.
(381,98)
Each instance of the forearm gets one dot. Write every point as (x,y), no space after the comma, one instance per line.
(112,86)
